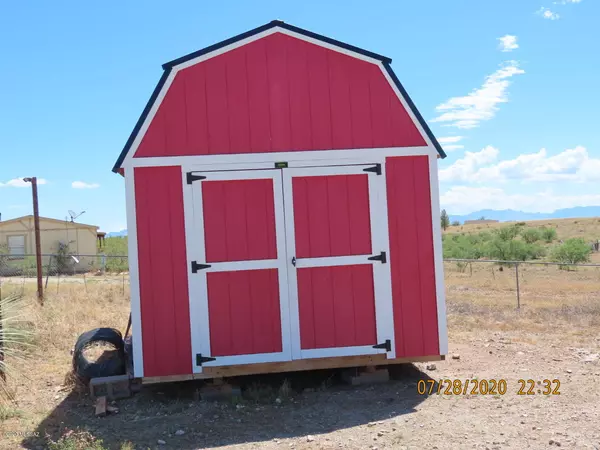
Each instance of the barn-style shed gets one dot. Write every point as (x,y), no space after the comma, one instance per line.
(283,213)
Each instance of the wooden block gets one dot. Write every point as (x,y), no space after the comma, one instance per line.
(101,406)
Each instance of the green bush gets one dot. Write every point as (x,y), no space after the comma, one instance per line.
(548,234)
(455,223)
(572,251)
(531,235)
(508,233)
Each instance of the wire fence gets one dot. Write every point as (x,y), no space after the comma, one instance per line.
(19,273)
(510,283)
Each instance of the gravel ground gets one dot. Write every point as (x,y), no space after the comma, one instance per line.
(319,413)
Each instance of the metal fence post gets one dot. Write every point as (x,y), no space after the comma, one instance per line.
(518,291)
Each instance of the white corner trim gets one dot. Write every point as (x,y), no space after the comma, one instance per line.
(438,255)
(134,277)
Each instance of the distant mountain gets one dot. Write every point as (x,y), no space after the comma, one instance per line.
(121,233)
(506,215)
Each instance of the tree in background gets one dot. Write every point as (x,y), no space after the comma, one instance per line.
(455,223)
(572,251)
(445,219)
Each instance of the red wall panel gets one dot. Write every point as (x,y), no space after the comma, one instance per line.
(411,256)
(336,306)
(244,312)
(278,93)
(162,265)
(239,220)
(331,215)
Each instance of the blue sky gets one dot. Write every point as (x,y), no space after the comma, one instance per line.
(76,75)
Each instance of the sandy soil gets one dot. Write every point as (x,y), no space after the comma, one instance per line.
(390,415)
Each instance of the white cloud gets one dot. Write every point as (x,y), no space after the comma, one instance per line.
(449,139)
(18,182)
(547,14)
(508,43)
(482,103)
(564,2)
(449,143)
(84,185)
(451,148)
(574,165)
(466,168)
(466,199)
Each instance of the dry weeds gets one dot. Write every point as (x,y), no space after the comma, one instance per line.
(561,307)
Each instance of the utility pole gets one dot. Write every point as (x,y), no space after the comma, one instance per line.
(38,245)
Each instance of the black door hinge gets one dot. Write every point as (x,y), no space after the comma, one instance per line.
(381,257)
(387,345)
(375,169)
(202,359)
(191,177)
(196,267)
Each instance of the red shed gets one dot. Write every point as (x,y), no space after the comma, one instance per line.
(283,213)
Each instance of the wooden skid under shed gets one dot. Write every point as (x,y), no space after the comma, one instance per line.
(291,366)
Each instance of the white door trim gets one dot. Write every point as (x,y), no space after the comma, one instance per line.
(379,243)
(197,282)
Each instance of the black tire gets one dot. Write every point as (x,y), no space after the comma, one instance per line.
(104,367)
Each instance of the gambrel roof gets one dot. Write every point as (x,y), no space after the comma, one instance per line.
(164,83)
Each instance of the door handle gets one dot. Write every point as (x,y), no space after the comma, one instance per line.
(294,261)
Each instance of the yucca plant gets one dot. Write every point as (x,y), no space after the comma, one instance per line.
(14,339)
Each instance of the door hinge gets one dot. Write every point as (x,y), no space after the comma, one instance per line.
(196,267)
(202,359)
(191,177)
(387,345)
(375,169)
(381,257)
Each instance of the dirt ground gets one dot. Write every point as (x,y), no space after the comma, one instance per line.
(555,336)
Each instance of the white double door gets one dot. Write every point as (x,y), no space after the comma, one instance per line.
(288,264)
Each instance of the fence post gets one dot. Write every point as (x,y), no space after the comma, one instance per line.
(518,291)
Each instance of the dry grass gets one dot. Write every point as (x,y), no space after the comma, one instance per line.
(41,380)
(565,304)
(588,229)
(552,300)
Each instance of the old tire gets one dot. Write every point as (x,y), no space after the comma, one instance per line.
(108,364)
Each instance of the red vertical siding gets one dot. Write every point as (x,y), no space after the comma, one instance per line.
(162,265)
(331,215)
(244,312)
(239,220)
(411,256)
(336,306)
(278,93)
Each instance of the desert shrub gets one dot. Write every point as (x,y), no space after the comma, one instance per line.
(572,251)
(76,440)
(531,235)
(508,233)
(455,223)
(513,250)
(548,234)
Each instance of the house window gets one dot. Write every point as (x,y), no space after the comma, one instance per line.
(16,245)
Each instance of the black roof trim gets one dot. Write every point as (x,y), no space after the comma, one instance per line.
(273,24)
(141,120)
(414,109)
